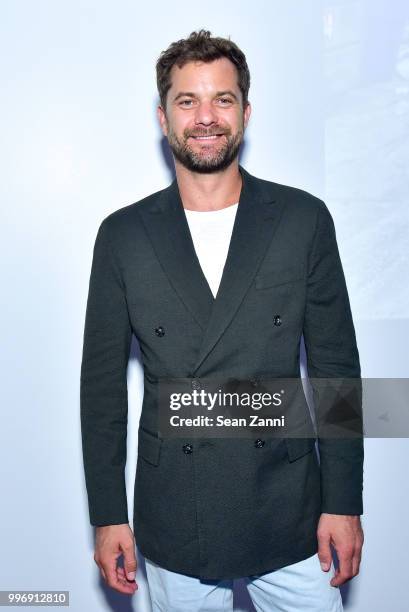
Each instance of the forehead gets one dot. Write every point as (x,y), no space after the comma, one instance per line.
(218,74)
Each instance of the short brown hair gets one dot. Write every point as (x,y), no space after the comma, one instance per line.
(200,46)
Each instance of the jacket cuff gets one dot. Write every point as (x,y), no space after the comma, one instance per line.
(341,484)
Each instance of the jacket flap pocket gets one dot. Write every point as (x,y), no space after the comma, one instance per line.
(280,276)
(149,446)
(298,447)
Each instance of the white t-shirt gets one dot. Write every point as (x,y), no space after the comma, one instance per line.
(211,233)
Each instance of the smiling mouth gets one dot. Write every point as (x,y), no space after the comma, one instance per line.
(208,138)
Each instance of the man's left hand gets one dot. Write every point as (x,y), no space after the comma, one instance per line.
(345,533)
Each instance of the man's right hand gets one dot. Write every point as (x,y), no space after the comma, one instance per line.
(111,542)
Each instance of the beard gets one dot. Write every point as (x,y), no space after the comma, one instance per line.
(209,158)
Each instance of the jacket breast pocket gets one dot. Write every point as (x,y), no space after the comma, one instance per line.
(280,276)
(149,446)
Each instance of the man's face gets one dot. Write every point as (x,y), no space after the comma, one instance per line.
(204,101)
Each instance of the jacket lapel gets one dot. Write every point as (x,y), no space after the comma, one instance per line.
(257,217)
(166,223)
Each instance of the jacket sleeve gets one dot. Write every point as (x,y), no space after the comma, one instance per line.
(103,386)
(332,353)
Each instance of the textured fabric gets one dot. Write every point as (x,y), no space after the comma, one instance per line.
(228,508)
(301,586)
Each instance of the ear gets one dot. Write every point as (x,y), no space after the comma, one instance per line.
(246,114)
(162,119)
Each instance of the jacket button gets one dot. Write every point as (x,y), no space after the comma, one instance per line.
(259,443)
(195,384)
(277,320)
(187,449)
(159,331)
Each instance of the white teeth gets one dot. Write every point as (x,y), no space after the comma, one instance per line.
(206,137)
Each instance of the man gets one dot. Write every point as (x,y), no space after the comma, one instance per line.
(231,304)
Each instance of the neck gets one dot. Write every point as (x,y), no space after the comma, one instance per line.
(205,192)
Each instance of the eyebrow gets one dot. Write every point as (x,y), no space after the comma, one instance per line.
(218,93)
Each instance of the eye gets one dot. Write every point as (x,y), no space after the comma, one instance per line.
(185,101)
(227,100)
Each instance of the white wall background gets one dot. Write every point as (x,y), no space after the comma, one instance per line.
(79,139)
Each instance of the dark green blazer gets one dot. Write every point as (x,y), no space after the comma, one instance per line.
(229,507)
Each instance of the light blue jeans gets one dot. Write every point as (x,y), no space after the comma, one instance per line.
(300,587)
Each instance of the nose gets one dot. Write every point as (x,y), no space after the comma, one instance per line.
(205,114)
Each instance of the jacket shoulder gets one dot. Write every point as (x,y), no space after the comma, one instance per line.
(126,220)
(128,212)
(292,195)
(300,205)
